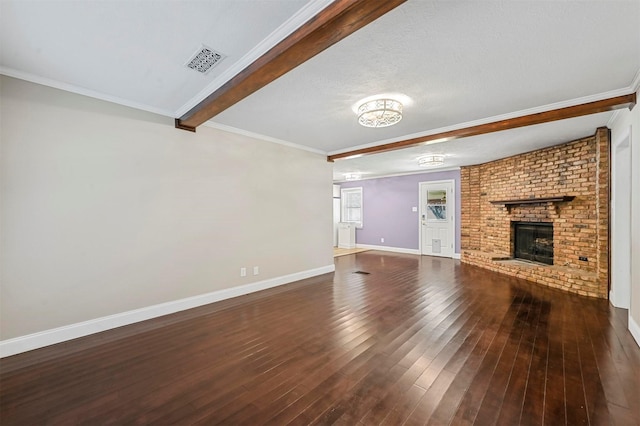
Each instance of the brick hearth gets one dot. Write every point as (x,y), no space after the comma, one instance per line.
(580,227)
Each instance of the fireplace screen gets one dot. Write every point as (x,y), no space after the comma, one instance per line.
(533,241)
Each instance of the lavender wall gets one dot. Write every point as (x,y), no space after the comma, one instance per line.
(387,209)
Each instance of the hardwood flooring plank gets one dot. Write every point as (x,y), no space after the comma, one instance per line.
(576,406)
(464,364)
(532,412)
(510,410)
(494,398)
(475,395)
(418,340)
(430,400)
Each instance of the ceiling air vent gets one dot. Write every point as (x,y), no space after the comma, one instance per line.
(205,59)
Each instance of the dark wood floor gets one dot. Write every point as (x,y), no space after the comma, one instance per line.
(417,340)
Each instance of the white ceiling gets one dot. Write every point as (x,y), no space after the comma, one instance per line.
(457,63)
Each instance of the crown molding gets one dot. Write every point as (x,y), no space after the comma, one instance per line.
(259,136)
(279,34)
(635,84)
(330,25)
(633,87)
(9,72)
(508,116)
(303,15)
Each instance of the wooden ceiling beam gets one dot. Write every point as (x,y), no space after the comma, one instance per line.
(610,104)
(338,20)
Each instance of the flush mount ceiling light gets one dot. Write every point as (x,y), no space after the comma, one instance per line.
(352,176)
(381,112)
(431,160)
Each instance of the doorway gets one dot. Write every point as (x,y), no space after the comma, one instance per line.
(437,213)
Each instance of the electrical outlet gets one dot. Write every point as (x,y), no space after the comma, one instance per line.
(382,240)
(243,272)
(414,209)
(256,270)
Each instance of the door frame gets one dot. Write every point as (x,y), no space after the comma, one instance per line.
(453,206)
(620,292)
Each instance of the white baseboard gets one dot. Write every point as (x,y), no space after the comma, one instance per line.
(397,249)
(61,334)
(634,329)
(387,248)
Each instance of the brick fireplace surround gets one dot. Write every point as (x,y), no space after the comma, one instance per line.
(580,226)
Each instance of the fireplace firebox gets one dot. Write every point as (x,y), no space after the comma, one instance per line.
(533,241)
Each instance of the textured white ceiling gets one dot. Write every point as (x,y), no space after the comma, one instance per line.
(456,62)
(472,150)
(133,51)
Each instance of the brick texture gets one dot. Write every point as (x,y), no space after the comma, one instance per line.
(580,227)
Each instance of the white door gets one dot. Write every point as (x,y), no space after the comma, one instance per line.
(437,218)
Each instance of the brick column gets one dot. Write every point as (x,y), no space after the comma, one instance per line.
(470,208)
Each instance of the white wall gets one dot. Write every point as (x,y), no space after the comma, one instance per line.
(624,121)
(106,209)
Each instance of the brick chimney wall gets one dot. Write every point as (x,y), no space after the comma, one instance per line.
(581,227)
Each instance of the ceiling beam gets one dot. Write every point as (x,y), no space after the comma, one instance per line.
(610,104)
(338,20)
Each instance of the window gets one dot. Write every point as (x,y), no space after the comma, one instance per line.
(352,205)
(437,205)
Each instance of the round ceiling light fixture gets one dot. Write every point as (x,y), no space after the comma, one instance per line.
(431,160)
(382,112)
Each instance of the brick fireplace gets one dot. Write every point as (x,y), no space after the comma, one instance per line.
(564,188)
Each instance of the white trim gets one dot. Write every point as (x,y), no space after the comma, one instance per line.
(82,91)
(359,225)
(73,331)
(301,17)
(613,118)
(387,248)
(453,205)
(237,131)
(457,256)
(289,26)
(535,110)
(620,270)
(635,87)
(635,84)
(634,329)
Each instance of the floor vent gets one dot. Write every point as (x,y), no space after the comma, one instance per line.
(205,59)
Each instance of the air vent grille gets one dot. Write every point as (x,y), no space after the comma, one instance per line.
(205,59)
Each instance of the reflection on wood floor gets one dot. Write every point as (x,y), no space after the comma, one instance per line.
(417,340)
(343,251)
